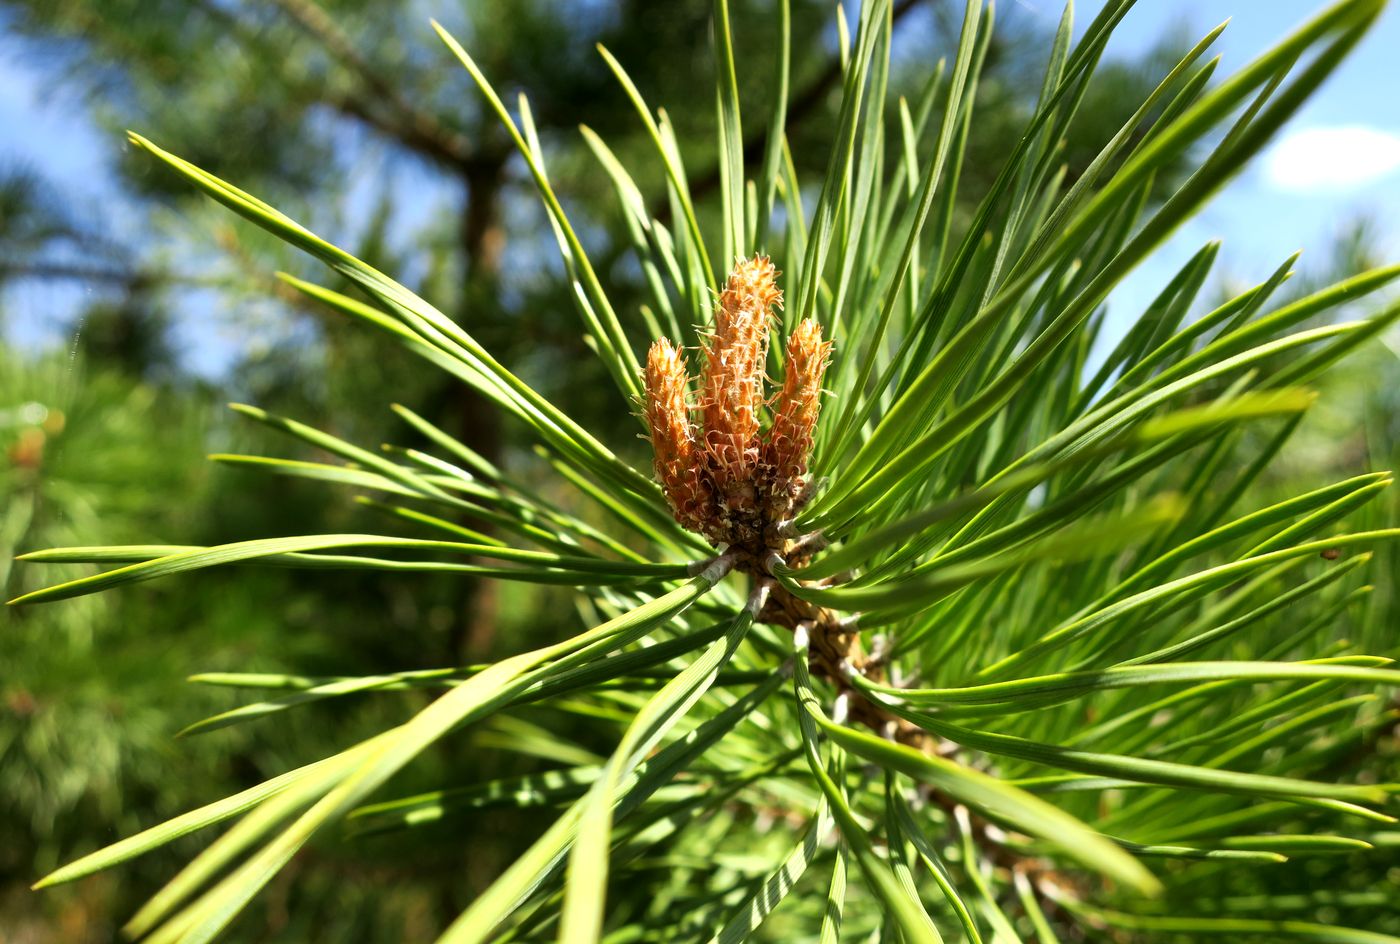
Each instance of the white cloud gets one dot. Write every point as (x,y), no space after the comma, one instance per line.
(1331,159)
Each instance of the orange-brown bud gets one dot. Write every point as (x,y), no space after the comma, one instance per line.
(796,408)
(732,394)
(731,482)
(675,450)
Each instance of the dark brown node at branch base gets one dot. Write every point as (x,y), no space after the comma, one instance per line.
(835,651)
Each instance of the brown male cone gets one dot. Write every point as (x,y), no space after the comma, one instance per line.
(727,480)
(795,412)
(675,450)
(732,386)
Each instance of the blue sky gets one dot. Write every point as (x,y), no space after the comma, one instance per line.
(1339,159)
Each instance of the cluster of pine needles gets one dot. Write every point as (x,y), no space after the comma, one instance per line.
(936,634)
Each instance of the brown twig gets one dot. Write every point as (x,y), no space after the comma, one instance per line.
(421,130)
